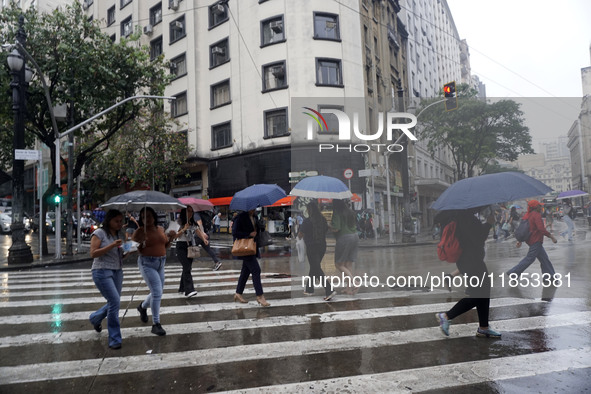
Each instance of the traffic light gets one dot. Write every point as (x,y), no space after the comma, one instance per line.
(451,98)
(55,197)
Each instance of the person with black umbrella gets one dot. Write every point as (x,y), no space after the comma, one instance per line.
(472,234)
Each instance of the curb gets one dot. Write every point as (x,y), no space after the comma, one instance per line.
(44,263)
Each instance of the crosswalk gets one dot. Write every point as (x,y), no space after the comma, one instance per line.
(375,341)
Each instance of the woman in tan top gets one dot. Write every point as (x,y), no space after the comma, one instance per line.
(153,243)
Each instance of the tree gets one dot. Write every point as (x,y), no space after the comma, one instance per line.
(477,132)
(148,152)
(84,70)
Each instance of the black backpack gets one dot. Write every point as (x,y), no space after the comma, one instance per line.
(522,232)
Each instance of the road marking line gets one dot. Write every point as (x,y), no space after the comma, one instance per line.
(444,376)
(152,362)
(225,325)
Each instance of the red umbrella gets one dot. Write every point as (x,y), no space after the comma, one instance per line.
(197,204)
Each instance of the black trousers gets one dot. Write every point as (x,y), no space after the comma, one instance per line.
(250,265)
(315,254)
(186,284)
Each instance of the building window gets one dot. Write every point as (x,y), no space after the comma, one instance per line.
(124,3)
(113,38)
(179,106)
(218,53)
(220,94)
(218,14)
(332,123)
(326,26)
(111,16)
(177,29)
(221,136)
(155,48)
(328,72)
(156,14)
(126,27)
(274,76)
(178,66)
(276,123)
(272,31)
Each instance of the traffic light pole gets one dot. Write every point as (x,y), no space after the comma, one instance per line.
(58,224)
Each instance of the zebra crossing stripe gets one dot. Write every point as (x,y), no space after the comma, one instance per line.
(228,325)
(91,289)
(152,362)
(213,307)
(444,376)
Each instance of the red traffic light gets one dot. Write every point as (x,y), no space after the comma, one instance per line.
(449,91)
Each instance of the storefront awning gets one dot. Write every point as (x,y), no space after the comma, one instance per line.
(283,202)
(220,201)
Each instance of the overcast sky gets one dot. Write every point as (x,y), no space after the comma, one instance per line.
(530,48)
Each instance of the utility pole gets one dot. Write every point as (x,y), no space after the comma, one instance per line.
(407,227)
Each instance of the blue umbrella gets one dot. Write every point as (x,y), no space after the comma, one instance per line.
(256,196)
(321,187)
(489,189)
(571,194)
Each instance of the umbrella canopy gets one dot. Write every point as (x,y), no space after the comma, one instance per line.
(197,204)
(138,199)
(571,194)
(256,196)
(489,189)
(321,186)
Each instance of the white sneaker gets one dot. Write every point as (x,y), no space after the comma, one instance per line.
(191,294)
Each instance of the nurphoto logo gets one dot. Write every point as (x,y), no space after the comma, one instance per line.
(344,130)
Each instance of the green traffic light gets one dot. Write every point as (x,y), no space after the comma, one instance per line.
(57,199)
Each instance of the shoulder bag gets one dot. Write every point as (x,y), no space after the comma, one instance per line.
(244,247)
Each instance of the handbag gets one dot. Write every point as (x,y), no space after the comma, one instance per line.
(193,251)
(264,239)
(244,247)
(506,227)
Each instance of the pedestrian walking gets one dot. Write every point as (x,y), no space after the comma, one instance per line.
(245,226)
(290,226)
(200,238)
(107,274)
(344,225)
(514,219)
(313,230)
(568,215)
(185,228)
(153,243)
(549,218)
(472,235)
(216,222)
(535,242)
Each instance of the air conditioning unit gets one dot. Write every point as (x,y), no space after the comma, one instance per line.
(148,29)
(330,25)
(218,9)
(278,71)
(177,25)
(173,5)
(276,26)
(217,51)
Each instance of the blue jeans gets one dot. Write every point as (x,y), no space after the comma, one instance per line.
(152,270)
(109,283)
(535,251)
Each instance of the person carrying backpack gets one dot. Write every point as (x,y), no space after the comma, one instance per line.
(535,241)
(472,235)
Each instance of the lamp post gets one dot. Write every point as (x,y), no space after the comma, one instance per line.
(19,251)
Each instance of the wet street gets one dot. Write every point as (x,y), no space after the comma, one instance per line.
(383,339)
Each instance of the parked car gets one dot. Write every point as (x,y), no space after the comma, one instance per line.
(5,222)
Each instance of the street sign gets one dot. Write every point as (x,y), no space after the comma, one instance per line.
(348,173)
(26,154)
(368,172)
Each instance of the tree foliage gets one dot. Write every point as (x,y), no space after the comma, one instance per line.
(86,71)
(477,132)
(149,153)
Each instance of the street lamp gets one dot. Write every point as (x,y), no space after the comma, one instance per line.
(19,252)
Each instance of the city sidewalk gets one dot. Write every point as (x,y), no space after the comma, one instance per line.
(219,241)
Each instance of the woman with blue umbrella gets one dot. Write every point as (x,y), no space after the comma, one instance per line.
(246,226)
